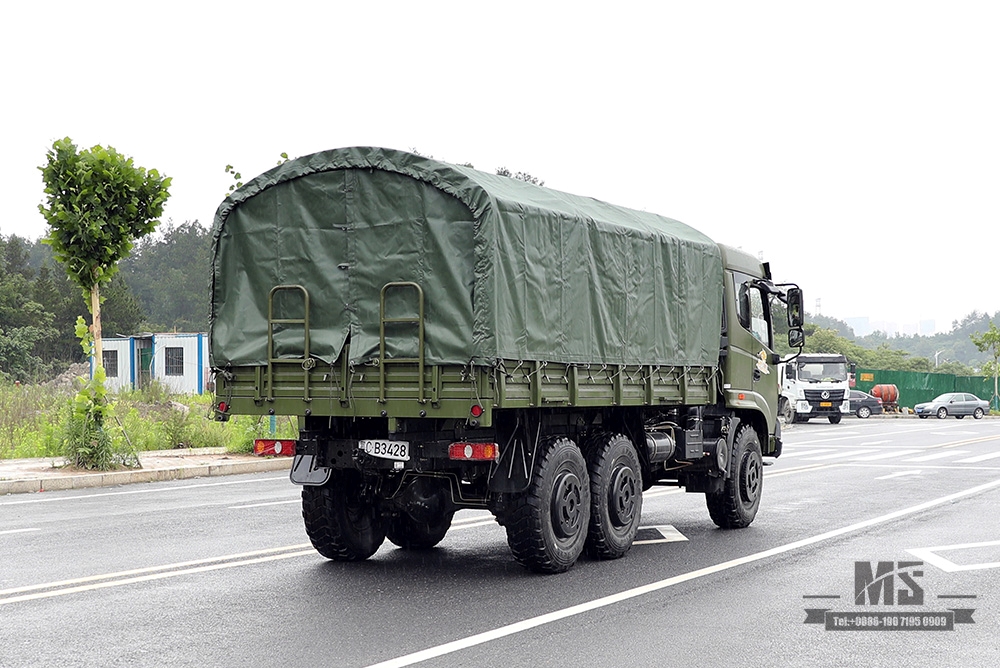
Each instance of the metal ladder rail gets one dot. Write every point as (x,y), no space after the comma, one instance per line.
(419,322)
(306,361)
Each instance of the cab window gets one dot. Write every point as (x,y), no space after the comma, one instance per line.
(751,309)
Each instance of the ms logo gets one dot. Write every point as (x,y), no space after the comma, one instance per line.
(872,585)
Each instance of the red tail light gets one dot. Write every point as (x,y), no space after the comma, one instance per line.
(474,452)
(223,406)
(271,447)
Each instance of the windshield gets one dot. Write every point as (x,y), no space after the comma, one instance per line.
(827,372)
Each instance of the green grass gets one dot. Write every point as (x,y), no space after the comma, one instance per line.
(34,419)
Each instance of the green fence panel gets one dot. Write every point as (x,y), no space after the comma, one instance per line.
(977,385)
(915,388)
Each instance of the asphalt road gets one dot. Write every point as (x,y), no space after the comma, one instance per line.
(218,572)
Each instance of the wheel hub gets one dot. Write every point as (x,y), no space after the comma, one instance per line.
(567,505)
(750,480)
(622,495)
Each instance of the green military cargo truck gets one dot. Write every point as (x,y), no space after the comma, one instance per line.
(455,339)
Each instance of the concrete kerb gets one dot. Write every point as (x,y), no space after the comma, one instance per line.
(20,482)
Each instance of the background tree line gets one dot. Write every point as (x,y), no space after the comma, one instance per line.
(953,352)
(163,286)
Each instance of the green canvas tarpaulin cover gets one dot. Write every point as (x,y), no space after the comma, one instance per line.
(509,270)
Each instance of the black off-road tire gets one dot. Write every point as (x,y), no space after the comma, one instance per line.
(835,419)
(340,524)
(787,411)
(736,505)
(547,523)
(409,534)
(615,495)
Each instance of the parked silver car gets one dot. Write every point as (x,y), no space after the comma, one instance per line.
(958,404)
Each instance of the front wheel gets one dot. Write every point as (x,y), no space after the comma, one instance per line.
(864,412)
(787,411)
(341,522)
(547,523)
(942,413)
(736,505)
(835,419)
(978,413)
(615,495)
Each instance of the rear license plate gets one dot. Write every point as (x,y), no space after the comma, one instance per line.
(825,404)
(377,447)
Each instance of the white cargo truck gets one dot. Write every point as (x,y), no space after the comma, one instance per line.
(815,385)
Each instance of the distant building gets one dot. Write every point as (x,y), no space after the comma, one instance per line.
(178,361)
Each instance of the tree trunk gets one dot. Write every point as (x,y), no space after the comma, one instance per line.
(95,310)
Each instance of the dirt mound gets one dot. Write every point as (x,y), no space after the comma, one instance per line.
(67,379)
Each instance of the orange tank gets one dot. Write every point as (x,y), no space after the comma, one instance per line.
(889,394)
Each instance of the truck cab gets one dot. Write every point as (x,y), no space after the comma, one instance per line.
(815,385)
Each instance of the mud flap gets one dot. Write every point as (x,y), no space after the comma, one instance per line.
(305,472)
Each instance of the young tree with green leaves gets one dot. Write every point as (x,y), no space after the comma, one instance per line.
(98,203)
(989,342)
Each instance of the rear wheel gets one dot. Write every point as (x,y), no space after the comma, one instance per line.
(978,413)
(942,413)
(736,505)
(409,534)
(615,495)
(864,412)
(341,522)
(547,523)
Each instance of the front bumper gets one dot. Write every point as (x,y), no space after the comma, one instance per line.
(803,407)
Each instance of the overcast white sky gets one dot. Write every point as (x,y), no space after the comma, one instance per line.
(855,144)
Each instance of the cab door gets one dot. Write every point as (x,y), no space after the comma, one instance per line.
(753,341)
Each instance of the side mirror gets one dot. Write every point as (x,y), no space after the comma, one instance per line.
(794,300)
(796,337)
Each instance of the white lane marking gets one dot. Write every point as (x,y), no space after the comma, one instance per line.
(9,531)
(150,573)
(46,499)
(151,569)
(669,534)
(572,611)
(800,469)
(839,455)
(804,453)
(267,503)
(980,458)
(876,442)
(885,455)
(928,554)
(938,455)
(660,492)
(154,576)
(898,474)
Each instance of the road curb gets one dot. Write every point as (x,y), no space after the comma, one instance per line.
(115,478)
